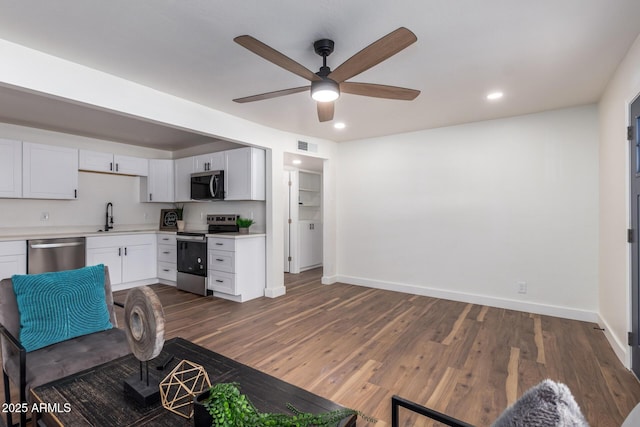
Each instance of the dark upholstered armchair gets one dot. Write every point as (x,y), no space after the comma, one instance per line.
(29,369)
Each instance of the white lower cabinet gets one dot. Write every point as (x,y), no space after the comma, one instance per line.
(167,258)
(130,258)
(236,267)
(309,244)
(13,258)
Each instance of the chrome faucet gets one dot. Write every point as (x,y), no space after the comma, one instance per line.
(109,219)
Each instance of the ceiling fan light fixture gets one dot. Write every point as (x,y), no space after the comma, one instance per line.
(325,90)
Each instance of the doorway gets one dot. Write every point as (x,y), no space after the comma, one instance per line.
(303,225)
(634,233)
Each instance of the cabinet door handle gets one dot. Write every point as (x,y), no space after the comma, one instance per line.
(111,166)
(166,252)
(125,251)
(165,269)
(119,251)
(117,167)
(219,244)
(219,259)
(150,197)
(219,281)
(75,194)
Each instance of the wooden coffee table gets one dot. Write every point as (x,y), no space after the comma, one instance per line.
(95,397)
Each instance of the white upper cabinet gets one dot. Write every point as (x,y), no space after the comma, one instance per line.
(244,174)
(209,162)
(10,168)
(128,165)
(158,185)
(49,172)
(112,163)
(182,169)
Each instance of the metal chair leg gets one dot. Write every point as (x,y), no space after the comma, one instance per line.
(7,396)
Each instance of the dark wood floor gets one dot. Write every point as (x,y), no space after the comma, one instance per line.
(358,346)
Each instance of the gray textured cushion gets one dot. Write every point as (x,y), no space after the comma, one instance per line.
(633,419)
(548,404)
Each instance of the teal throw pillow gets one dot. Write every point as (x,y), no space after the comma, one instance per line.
(58,306)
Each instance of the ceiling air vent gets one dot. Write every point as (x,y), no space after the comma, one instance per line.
(305,146)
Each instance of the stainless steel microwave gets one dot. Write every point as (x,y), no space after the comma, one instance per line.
(207,185)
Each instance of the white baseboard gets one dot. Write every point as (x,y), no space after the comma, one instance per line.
(275,292)
(529,307)
(621,350)
(329,280)
(129,285)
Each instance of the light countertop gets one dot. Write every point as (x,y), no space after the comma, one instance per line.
(12,234)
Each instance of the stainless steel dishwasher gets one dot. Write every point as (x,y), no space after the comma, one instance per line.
(44,255)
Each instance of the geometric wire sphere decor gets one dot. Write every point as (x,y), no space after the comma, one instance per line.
(181,385)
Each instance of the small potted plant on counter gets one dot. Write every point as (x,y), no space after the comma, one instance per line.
(244,224)
(179,212)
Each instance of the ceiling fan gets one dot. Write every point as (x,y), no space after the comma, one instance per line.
(326,85)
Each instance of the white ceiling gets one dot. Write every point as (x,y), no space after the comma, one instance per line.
(543,55)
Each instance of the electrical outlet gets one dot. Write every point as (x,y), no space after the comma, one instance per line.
(44,216)
(522,287)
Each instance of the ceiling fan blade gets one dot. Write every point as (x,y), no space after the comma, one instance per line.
(379,91)
(374,54)
(273,94)
(275,57)
(325,111)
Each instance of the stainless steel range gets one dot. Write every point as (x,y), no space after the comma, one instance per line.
(192,252)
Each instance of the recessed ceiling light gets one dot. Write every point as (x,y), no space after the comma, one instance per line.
(339,125)
(495,95)
(296,161)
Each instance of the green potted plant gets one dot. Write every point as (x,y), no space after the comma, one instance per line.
(179,207)
(244,224)
(224,406)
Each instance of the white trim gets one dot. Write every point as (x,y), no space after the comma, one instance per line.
(275,292)
(129,285)
(621,350)
(329,280)
(529,307)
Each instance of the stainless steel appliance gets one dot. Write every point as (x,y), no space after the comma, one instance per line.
(192,262)
(192,253)
(207,185)
(45,255)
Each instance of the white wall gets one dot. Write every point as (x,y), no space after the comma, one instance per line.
(466,212)
(614,279)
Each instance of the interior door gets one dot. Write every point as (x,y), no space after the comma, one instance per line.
(287,221)
(634,151)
